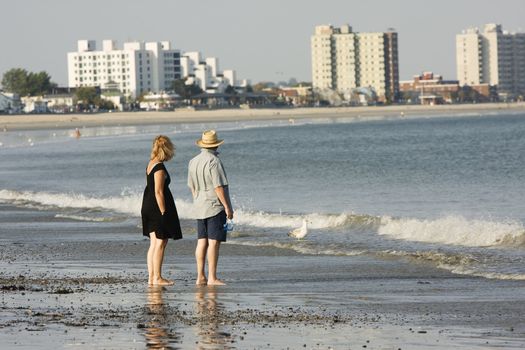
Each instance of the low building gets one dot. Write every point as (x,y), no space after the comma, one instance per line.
(296,96)
(10,103)
(34,104)
(160,101)
(61,100)
(429,88)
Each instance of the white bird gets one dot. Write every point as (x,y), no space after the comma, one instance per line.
(300,232)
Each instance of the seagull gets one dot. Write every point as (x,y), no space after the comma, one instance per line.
(300,232)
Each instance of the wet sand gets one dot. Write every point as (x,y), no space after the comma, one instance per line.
(83,285)
(72,121)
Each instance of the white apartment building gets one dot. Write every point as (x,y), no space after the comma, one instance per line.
(493,57)
(135,69)
(343,60)
(205,73)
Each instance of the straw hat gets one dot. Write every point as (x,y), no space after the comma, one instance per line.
(209,140)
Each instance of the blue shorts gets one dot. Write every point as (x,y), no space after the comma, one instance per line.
(212,228)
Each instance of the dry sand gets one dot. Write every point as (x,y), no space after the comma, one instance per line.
(61,121)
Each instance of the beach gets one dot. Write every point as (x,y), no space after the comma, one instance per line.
(88,291)
(416,231)
(80,120)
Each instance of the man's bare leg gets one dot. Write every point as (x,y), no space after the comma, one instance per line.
(200,256)
(213,258)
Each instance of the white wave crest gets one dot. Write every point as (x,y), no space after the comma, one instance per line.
(128,203)
(460,264)
(83,218)
(300,248)
(314,220)
(454,230)
(462,270)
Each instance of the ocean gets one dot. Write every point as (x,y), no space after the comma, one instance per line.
(444,191)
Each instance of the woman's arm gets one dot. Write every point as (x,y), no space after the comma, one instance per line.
(160,177)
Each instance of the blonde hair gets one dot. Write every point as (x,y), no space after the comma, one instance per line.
(163,149)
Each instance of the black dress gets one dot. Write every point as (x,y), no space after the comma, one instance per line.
(167,225)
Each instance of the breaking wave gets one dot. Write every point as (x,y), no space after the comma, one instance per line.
(451,230)
(130,203)
(455,230)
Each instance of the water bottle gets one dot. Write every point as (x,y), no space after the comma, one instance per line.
(228,226)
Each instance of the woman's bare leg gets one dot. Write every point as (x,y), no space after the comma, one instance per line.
(151,250)
(158,258)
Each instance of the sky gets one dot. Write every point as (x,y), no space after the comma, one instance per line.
(262,40)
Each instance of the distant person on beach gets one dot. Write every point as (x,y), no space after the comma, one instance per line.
(160,220)
(212,205)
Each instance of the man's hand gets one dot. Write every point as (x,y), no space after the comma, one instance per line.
(229,213)
(224,196)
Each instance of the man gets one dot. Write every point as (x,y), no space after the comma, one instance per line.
(212,206)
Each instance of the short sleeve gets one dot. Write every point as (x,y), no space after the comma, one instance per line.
(157,167)
(218,175)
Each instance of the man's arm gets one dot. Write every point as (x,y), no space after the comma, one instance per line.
(224,196)
(190,184)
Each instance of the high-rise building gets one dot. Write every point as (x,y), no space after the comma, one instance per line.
(344,60)
(493,57)
(137,68)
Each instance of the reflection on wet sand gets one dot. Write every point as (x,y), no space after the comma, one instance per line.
(157,327)
(209,331)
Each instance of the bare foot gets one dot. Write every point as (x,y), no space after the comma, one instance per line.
(163,282)
(201,282)
(216,283)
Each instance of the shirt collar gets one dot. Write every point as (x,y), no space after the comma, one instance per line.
(216,153)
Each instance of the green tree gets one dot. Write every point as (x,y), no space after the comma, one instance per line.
(24,83)
(104,104)
(15,80)
(230,90)
(179,86)
(87,95)
(184,90)
(39,83)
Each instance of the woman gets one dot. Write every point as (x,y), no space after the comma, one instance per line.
(160,220)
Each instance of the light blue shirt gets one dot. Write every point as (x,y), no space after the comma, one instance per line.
(205,173)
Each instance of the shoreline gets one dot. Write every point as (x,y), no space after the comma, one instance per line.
(83,284)
(71,121)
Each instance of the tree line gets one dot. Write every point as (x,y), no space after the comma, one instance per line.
(24,83)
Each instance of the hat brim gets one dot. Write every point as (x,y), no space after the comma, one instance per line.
(209,145)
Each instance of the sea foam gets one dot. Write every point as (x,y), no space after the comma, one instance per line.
(454,230)
(130,203)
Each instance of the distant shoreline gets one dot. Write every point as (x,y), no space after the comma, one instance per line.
(71,121)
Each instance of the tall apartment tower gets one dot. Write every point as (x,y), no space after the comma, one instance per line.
(137,68)
(344,60)
(493,57)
